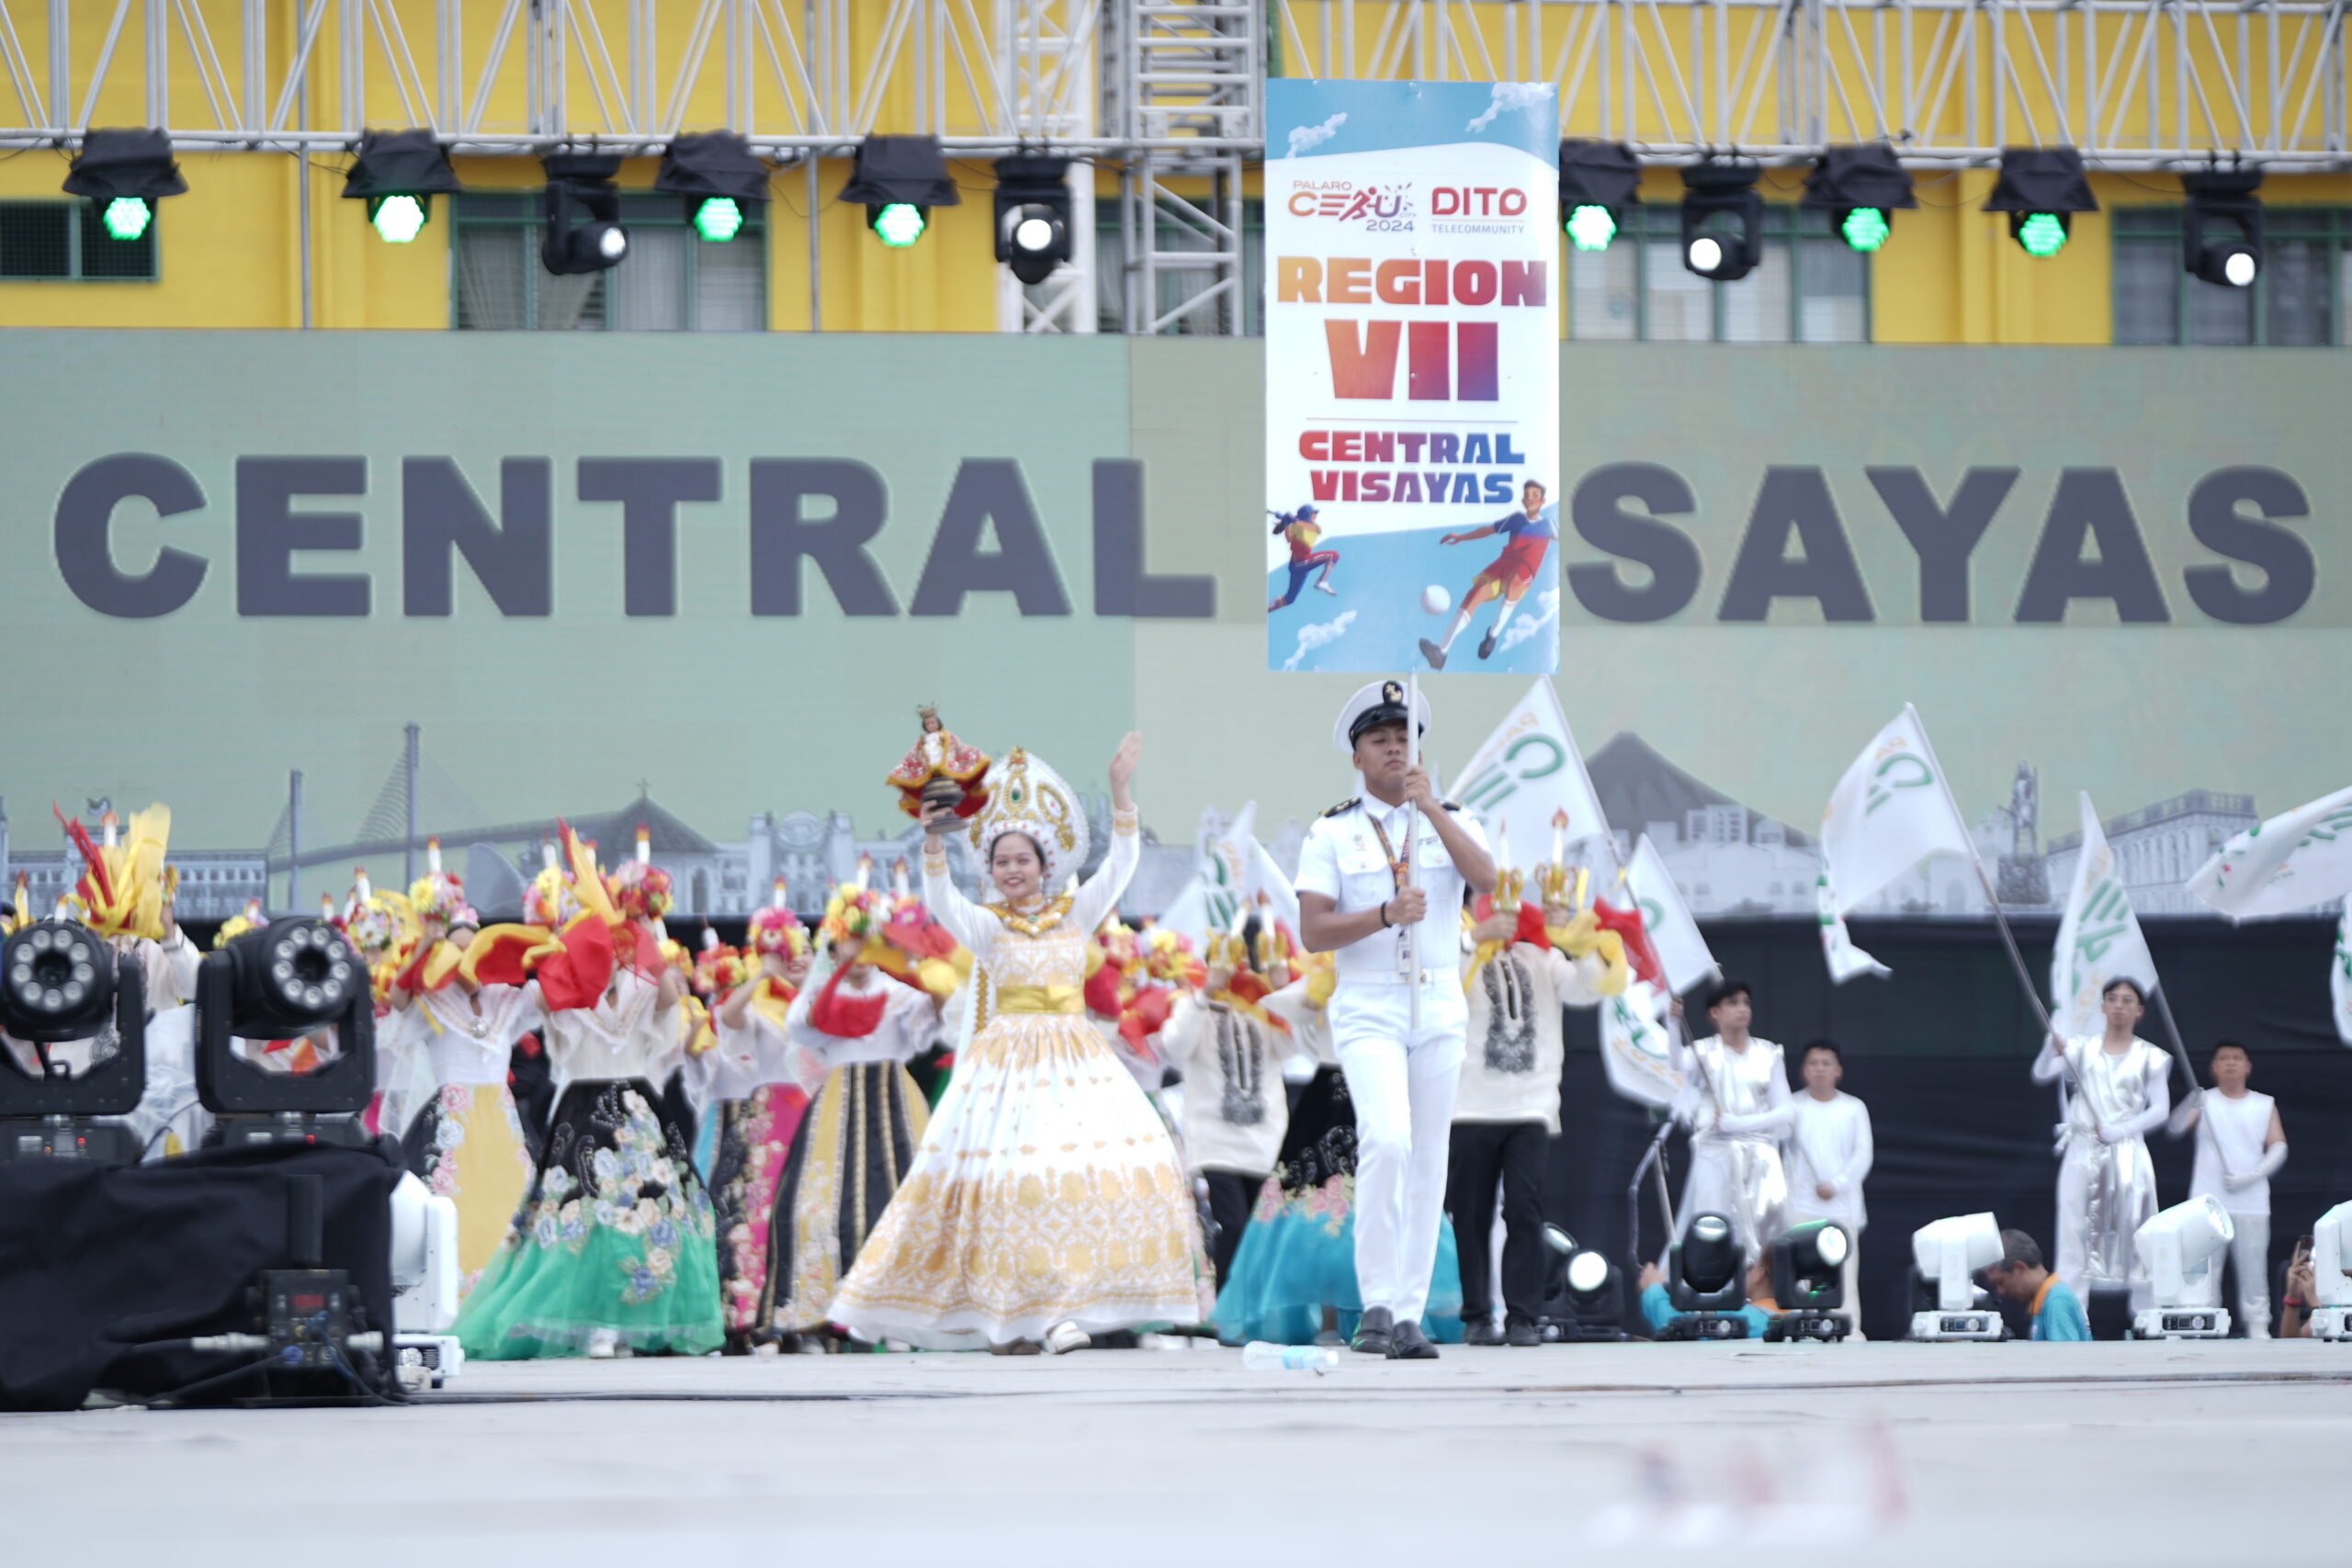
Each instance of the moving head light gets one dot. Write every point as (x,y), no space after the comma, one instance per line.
(285,1034)
(73,1029)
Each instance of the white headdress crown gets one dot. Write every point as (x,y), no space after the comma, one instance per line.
(1027,796)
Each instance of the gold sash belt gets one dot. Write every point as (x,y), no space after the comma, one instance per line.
(1039,998)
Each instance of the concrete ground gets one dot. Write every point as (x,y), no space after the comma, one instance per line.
(1917,1454)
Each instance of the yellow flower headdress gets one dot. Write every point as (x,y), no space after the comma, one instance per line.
(121,891)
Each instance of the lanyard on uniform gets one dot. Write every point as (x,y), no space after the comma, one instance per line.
(1397,863)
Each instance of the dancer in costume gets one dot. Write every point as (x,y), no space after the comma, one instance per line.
(2241,1143)
(1230,1048)
(2106,1186)
(761,1082)
(467,1142)
(613,1245)
(1293,1277)
(1047,1195)
(1397,1017)
(1300,531)
(1530,531)
(1735,1101)
(1529,964)
(863,1127)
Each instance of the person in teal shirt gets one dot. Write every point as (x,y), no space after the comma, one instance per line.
(1657,1307)
(2021,1277)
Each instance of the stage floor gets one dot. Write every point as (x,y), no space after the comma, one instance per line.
(2126,1453)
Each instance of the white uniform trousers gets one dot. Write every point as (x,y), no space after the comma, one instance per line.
(2250,1256)
(1402,1082)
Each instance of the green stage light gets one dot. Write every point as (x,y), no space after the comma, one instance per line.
(127,216)
(2042,233)
(718,219)
(898,224)
(1865,228)
(1591,228)
(398,219)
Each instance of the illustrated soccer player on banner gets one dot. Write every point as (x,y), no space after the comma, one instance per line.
(1530,531)
(1301,532)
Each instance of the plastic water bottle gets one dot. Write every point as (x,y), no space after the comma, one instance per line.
(1260,1356)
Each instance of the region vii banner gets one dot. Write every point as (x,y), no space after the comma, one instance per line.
(1412,376)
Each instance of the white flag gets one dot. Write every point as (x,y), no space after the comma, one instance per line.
(2290,864)
(1227,868)
(2339,979)
(1188,915)
(1268,886)
(1530,769)
(1681,951)
(1837,948)
(1633,1046)
(1891,810)
(2098,940)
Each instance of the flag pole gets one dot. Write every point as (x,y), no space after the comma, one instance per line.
(1412,839)
(2196,1098)
(2009,938)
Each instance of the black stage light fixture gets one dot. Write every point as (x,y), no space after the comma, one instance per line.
(1597,180)
(2222,199)
(1706,1279)
(1806,1282)
(1033,215)
(1723,219)
(290,981)
(125,172)
(397,174)
(1583,1298)
(1861,187)
(720,175)
(584,232)
(59,983)
(2041,188)
(900,179)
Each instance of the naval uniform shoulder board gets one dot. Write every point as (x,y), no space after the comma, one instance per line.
(1344,806)
(1451,804)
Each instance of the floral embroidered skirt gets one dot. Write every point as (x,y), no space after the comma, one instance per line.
(615,1233)
(1298,1255)
(754,1135)
(468,1145)
(1045,1190)
(856,1144)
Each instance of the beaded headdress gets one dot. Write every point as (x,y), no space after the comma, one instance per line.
(1026,797)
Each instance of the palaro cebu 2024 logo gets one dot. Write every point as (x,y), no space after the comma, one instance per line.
(1380,209)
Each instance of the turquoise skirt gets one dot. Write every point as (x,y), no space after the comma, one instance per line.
(1298,1256)
(615,1232)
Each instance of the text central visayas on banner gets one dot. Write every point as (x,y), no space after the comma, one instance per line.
(1413,376)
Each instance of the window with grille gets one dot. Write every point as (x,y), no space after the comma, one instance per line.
(1810,286)
(671,280)
(2301,298)
(66,241)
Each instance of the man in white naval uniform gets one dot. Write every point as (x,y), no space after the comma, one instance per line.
(2241,1143)
(1357,902)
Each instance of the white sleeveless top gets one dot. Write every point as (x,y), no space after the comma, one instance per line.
(2236,1129)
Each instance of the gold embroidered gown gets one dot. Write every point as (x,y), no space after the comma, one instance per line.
(1045,1188)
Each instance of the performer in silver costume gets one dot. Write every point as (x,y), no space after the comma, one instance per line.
(2107,1188)
(1735,1101)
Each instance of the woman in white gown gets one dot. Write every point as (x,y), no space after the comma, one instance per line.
(1046,1196)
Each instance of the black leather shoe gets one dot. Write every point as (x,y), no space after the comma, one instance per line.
(1486,646)
(1520,1331)
(1374,1332)
(1481,1331)
(1408,1343)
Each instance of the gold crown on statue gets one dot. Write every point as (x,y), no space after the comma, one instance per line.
(1508,886)
(1552,884)
(1227,950)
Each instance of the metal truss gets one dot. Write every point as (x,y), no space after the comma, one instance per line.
(1164,90)
(2133,84)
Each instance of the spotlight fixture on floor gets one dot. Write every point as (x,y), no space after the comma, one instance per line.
(2331,1282)
(1583,1298)
(583,218)
(1706,1279)
(2041,188)
(125,172)
(1861,187)
(1723,219)
(1808,1282)
(719,177)
(397,174)
(1946,1256)
(2180,1249)
(1598,181)
(900,179)
(2222,200)
(285,1036)
(1033,215)
(73,1030)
